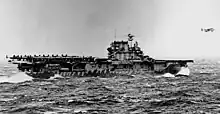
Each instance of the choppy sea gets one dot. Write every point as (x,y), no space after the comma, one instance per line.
(199,93)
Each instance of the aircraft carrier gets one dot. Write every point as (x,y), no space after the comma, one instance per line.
(124,58)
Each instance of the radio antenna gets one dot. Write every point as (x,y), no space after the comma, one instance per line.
(115,34)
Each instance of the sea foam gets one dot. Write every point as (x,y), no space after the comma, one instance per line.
(183,71)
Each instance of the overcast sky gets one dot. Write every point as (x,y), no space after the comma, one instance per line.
(164,28)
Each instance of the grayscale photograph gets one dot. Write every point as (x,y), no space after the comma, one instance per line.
(109,57)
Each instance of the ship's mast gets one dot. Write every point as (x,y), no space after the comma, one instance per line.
(130,38)
(115,34)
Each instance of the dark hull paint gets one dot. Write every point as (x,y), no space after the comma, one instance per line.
(99,73)
(40,75)
(96,73)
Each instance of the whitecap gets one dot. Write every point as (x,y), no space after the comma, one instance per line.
(168,75)
(165,75)
(56,76)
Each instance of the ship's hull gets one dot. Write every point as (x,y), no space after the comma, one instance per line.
(40,75)
(104,73)
(172,69)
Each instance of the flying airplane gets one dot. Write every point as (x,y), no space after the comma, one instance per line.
(208,29)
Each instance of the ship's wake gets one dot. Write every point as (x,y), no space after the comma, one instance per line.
(184,71)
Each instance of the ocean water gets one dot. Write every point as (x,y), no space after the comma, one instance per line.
(199,93)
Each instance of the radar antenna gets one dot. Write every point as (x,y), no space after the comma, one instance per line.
(130,38)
